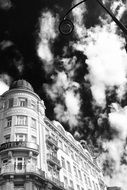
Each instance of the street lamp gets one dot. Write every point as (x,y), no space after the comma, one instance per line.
(66,26)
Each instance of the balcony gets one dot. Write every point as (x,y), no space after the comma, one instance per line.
(53,160)
(22,169)
(19,145)
(52,141)
(70,188)
(56,181)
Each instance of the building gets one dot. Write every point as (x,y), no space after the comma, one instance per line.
(37,154)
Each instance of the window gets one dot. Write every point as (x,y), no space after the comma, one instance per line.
(85,179)
(9,121)
(65,181)
(68,166)
(21,120)
(19,162)
(79,172)
(7,138)
(34,139)
(63,162)
(22,102)
(11,100)
(65,148)
(75,171)
(18,187)
(33,104)
(78,188)
(89,182)
(33,123)
(72,154)
(71,184)
(60,144)
(20,137)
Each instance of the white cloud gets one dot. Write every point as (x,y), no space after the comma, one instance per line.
(3,87)
(47,35)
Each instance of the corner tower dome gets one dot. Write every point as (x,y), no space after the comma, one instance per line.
(23,84)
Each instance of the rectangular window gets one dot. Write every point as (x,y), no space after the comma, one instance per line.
(60,144)
(11,101)
(89,182)
(33,139)
(22,102)
(71,184)
(9,121)
(33,104)
(85,179)
(68,166)
(65,181)
(75,171)
(79,173)
(78,188)
(65,148)
(63,162)
(7,138)
(20,137)
(72,154)
(33,123)
(21,120)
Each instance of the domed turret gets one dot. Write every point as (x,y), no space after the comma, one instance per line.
(23,84)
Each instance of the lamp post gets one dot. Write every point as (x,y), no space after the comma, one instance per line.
(66,26)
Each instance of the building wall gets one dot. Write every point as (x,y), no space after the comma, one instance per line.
(49,158)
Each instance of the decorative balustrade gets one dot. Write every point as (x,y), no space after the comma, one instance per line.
(56,181)
(52,141)
(22,169)
(53,160)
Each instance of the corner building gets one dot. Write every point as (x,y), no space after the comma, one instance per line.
(37,154)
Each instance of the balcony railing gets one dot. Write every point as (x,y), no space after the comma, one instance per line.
(19,145)
(57,182)
(52,141)
(70,188)
(22,169)
(53,160)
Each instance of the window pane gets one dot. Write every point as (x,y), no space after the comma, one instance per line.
(11,102)
(9,121)
(22,102)
(33,123)
(63,162)
(21,120)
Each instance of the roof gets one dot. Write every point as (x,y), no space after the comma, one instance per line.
(22,84)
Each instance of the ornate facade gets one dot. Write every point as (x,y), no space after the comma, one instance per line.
(37,154)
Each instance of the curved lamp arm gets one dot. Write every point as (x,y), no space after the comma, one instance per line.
(66,26)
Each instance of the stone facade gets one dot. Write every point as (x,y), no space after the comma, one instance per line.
(37,154)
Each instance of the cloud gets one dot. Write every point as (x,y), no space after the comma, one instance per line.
(5,4)
(47,36)
(5,81)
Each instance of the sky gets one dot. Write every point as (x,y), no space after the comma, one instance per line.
(82,77)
